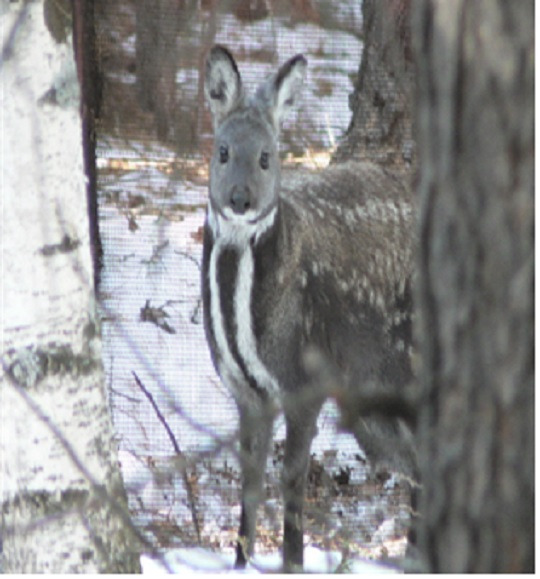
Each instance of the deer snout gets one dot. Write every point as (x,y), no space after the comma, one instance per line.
(240,200)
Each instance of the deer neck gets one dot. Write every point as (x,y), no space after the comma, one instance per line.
(241,260)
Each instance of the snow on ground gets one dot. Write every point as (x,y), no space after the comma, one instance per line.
(188,561)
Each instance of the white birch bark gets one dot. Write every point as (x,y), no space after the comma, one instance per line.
(57,453)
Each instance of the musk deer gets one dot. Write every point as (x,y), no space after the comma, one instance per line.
(321,263)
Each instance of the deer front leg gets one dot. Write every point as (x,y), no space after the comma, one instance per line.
(255,436)
(301,428)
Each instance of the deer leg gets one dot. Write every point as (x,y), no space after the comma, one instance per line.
(255,437)
(301,428)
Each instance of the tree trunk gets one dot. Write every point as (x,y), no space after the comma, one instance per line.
(84,42)
(475,128)
(381,124)
(164,37)
(62,498)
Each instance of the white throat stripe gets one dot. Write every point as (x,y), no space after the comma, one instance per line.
(247,346)
(244,335)
(229,369)
(238,230)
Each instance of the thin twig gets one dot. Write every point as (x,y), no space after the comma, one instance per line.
(176,446)
(7,48)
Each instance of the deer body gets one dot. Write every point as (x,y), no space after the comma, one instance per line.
(308,261)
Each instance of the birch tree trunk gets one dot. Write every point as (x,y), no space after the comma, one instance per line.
(475,130)
(62,498)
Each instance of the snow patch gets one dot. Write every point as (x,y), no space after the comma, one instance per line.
(194,561)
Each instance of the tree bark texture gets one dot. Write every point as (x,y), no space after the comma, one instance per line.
(163,39)
(61,493)
(475,135)
(381,104)
(84,41)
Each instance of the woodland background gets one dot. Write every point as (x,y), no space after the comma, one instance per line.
(105,145)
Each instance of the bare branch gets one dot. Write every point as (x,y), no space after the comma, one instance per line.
(182,463)
(7,48)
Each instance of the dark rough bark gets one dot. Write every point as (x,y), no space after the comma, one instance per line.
(84,43)
(163,38)
(381,125)
(157,60)
(475,131)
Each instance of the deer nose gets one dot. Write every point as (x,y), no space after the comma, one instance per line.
(240,200)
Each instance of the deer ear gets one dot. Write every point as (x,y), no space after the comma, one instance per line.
(223,85)
(278,94)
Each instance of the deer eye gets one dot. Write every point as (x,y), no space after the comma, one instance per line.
(223,154)
(264,160)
